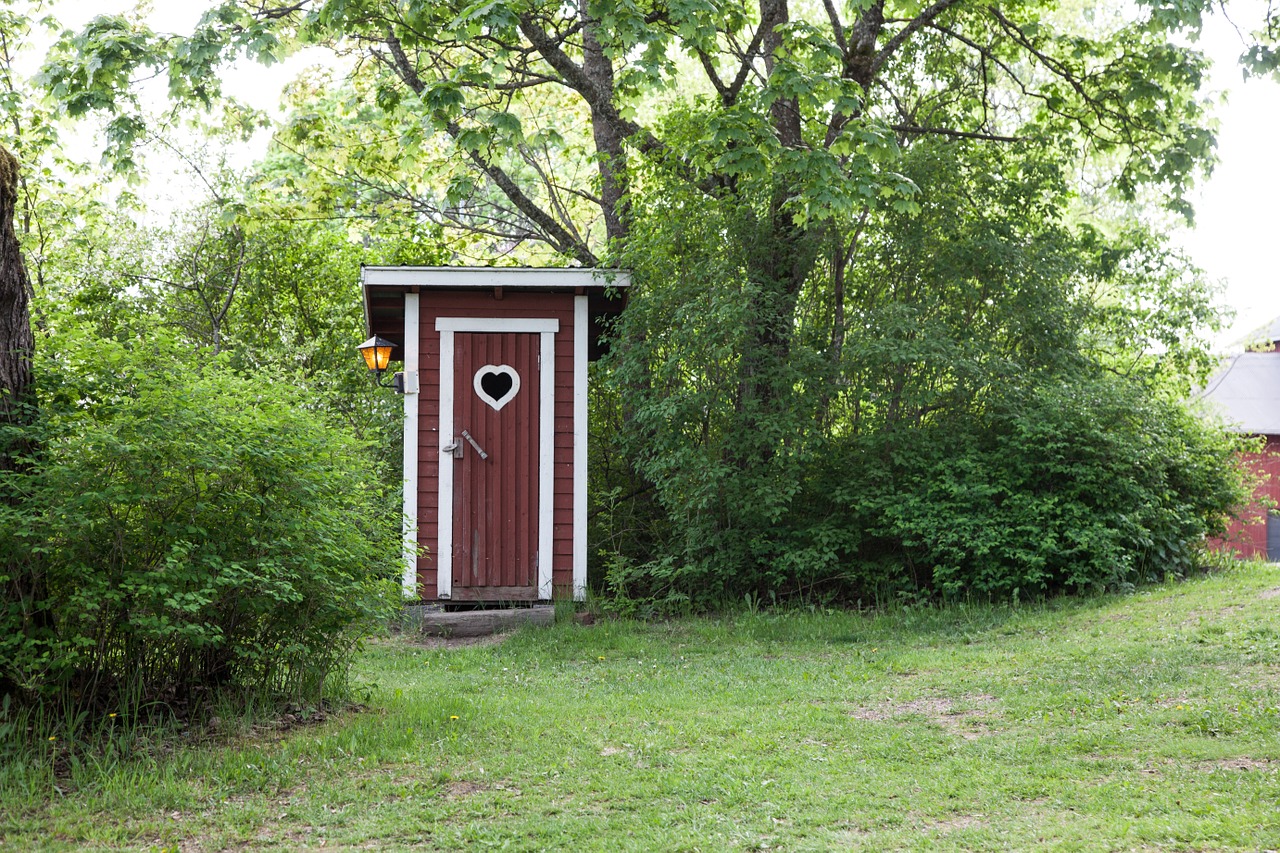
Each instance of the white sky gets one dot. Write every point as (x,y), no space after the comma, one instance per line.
(1236,237)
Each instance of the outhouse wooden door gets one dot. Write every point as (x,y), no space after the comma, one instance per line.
(497,413)
(495,482)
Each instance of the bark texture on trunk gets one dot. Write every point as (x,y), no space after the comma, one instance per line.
(609,137)
(16,341)
(24,590)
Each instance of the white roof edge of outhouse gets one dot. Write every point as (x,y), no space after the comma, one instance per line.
(486,277)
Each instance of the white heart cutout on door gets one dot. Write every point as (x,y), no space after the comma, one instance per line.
(496,384)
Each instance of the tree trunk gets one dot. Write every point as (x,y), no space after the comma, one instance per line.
(25,588)
(16,341)
(612,157)
(781,255)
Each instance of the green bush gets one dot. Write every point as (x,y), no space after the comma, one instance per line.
(185,529)
(1060,484)
(1065,484)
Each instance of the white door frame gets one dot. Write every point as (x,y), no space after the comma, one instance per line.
(580,332)
(409,524)
(546,328)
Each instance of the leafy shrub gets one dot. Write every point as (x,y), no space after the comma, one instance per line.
(1059,484)
(1067,484)
(186,529)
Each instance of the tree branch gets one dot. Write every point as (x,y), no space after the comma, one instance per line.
(836,27)
(957,134)
(922,20)
(744,70)
(557,235)
(597,98)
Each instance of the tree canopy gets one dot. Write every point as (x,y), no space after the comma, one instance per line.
(814,100)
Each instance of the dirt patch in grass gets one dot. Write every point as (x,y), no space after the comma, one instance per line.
(461,788)
(296,837)
(1266,765)
(1268,594)
(1258,675)
(972,730)
(933,707)
(1264,674)
(928,706)
(969,722)
(950,824)
(1210,619)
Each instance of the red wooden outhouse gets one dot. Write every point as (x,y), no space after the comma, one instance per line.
(495,413)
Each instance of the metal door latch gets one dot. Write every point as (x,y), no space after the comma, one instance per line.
(473,443)
(454,447)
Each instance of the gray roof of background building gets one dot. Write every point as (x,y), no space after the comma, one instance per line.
(1272,332)
(1246,392)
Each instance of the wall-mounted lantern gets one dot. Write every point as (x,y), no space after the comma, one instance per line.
(377,355)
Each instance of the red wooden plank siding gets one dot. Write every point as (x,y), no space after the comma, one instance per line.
(428,454)
(562,535)
(559,306)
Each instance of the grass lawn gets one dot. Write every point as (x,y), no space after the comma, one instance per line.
(1129,722)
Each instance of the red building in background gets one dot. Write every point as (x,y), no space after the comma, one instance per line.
(1246,392)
